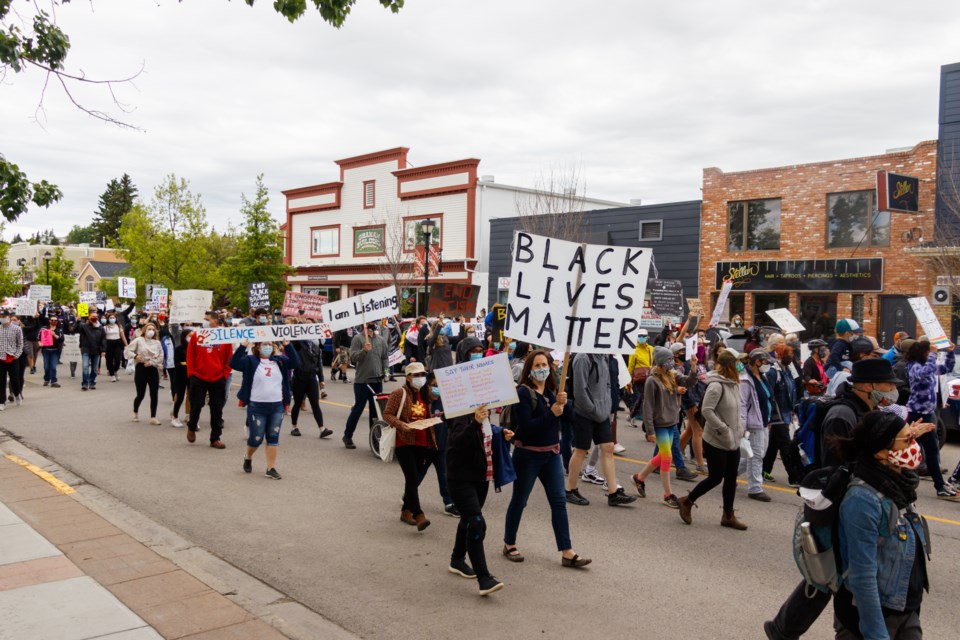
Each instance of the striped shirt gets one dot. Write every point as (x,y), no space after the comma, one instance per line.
(11,340)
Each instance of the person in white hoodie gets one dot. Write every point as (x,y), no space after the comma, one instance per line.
(147,352)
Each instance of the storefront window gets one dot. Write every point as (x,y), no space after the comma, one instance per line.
(818,314)
(332,293)
(762,302)
(754,225)
(852,221)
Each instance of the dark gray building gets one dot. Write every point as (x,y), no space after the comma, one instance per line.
(948,150)
(672,230)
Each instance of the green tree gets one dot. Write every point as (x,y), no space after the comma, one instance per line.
(17,238)
(43,46)
(81,235)
(259,256)
(115,202)
(9,279)
(60,278)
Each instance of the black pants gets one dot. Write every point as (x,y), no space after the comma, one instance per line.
(11,370)
(722,467)
(114,356)
(779,440)
(414,461)
(144,377)
(306,386)
(199,390)
(469,497)
(799,612)
(178,389)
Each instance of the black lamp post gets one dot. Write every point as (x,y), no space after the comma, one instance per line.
(427,226)
(46,260)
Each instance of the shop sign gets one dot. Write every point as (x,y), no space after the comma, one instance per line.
(897,193)
(369,241)
(860,275)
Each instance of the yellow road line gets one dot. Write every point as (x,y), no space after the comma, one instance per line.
(60,486)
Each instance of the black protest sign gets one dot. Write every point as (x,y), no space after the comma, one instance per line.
(258,295)
(666,297)
(499,320)
(453,300)
(101,297)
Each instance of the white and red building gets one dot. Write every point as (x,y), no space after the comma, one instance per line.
(344,237)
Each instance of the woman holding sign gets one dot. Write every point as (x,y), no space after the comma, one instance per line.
(416,444)
(537,456)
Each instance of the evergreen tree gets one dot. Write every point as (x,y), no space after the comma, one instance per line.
(17,238)
(82,235)
(116,201)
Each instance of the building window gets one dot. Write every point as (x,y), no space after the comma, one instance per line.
(413,233)
(754,225)
(89,283)
(852,221)
(856,307)
(325,241)
(369,194)
(651,230)
(332,293)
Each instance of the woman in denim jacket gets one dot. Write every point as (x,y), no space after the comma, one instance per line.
(883,540)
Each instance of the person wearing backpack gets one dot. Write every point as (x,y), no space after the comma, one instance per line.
(882,538)
(723,428)
(536,455)
(784,398)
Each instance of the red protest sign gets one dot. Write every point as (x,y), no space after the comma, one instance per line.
(453,299)
(311,304)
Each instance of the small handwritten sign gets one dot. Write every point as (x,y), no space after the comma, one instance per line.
(469,385)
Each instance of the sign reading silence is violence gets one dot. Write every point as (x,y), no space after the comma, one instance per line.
(581,298)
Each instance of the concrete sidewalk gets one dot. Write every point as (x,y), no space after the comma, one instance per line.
(67,573)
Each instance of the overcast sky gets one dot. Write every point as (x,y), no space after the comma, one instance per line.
(642,95)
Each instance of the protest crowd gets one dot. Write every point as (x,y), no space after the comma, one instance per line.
(850,421)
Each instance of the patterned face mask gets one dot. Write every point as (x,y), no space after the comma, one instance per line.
(909,458)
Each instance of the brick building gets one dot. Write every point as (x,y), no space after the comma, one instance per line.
(810,238)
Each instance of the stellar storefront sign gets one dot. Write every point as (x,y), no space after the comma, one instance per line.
(864,274)
(897,193)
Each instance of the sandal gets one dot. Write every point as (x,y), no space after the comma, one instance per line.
(576,561)
(513,555)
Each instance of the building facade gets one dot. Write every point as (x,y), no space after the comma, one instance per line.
(27,260)
(811,238)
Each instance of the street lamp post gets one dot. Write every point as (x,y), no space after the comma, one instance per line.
(427,226)
(46,260)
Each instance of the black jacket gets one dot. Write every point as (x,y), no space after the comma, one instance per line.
(311,359)
(93,339)
(466,460)
(31,329)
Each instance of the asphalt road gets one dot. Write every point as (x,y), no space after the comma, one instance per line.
(329,534)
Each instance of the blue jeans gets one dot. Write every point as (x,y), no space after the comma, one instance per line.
(566,441)
(362,396)
(675,452)
(51,358)
(90,364)
(263,422)
(531,465)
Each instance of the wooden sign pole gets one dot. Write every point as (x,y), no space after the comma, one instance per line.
(566,353)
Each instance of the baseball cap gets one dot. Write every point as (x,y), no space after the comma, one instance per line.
(861,345)
(847,325)
(758,354)
(642,332)
(677,347)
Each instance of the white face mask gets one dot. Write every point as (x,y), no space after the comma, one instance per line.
(266,351)
(764,368)
(540,375)
(151,333)
(417,383)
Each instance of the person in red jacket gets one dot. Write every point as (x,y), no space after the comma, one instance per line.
(207,369)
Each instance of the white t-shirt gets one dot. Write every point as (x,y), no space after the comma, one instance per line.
(267,383)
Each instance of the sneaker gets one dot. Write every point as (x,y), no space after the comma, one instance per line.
(136,418)
(326,433)
(216,444)
(671,501)
(272,473)
(640,485)
(618,498)
(323,395)
(83,388)
(702,470)
(761,496)
(461,568)
(93,387)
(618,449)
(768,477)
(592,477)
(295,432)
(687,475)
(176,423)
(55,385)
(488,585)
(3,407)
(33,371)
(154,421)
(793,484)
(46,383)
(18,400)
(574,497)
(451,510)
(247,466)
(113,378)
(947,493)
(348,443)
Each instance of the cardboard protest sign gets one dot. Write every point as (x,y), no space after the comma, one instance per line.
(551,277)
(71,349)
(453,299)
(88,297)
(311,304)
(666,297)
(26,307)
(365,307)
(468,385)
(40,292)
(189,305)
(83,310)
(785,320)
(127,288)
(928,321)
(695,307)
(262,333)
(721,302)
(258,295)
(159,297)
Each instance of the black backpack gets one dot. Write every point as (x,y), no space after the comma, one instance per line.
(507,418)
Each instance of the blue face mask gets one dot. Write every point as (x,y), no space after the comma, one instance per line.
(435,391)
(642,340)
(476,356)
(263,319)
(496,345)
(540,375)
(512,346)
(739,367)
(266,351)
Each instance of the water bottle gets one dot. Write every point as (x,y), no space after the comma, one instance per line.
(807,540)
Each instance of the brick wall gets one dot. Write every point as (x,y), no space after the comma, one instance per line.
(802,190)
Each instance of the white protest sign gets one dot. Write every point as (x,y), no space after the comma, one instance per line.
(262,333)
(928,320)
(804,352)
(110,305)
(623,375)
(127,288)
(88,297)
(189,305)
(785,320)
(71,349)
(550,277)
(159,298)
(26,307)
(721,302)
(40,292)
(395,358)
(690,344)
(468,385)
(365,307)
(455,328)
(793,371)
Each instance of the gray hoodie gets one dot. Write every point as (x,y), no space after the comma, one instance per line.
(591,386)
(721,412)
